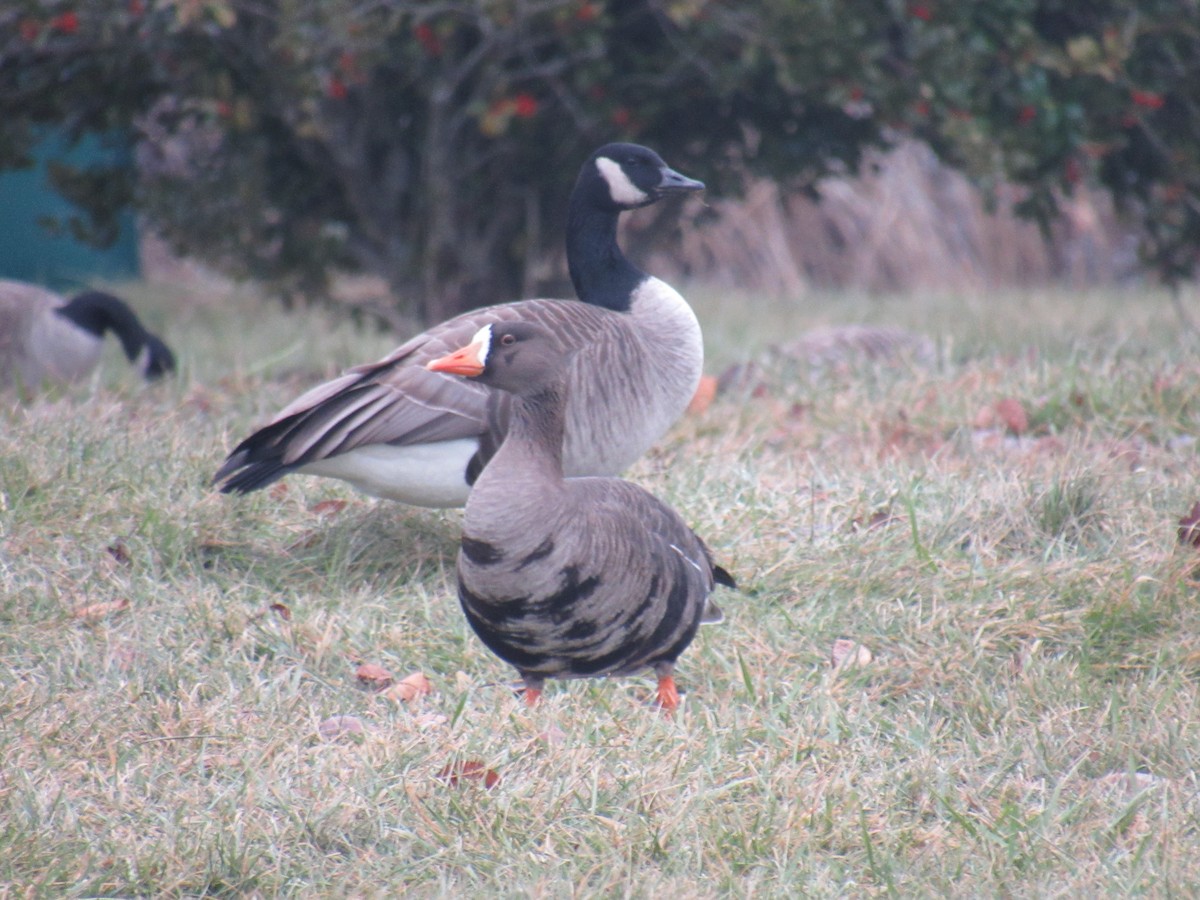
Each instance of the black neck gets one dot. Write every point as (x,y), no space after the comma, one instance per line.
(97,312)
(599,270)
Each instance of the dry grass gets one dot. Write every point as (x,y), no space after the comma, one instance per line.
(906,223)
(1029,724)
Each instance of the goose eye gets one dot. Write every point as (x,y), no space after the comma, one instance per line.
(507,339)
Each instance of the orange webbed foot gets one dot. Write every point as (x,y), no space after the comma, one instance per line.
(668,694)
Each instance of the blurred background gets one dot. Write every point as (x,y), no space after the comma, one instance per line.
(413,159)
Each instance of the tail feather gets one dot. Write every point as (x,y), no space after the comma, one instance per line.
(722,576)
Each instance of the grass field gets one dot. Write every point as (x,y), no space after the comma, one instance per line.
(173,661)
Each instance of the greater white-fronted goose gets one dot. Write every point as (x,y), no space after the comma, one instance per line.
(47,338)
(569,577)
(396,430)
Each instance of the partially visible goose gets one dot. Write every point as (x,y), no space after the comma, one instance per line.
(396,430)
(569,577)
(44,337)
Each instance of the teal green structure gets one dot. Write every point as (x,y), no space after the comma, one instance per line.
(29,251)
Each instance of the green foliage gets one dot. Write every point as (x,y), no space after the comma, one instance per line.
(434,143)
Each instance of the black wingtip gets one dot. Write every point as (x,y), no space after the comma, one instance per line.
(252,477)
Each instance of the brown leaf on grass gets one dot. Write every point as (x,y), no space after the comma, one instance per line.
(847,652)
(280,609)
(470,769)
(1129,782)
(375,677)
(409,688)
(99,610)
(119,551)
(215,762)
(1012,414)
(742,377)
(984,419)
(703,398)
(552,736)
(337,726)
(199,399)
(430,720)
(877,519)
(278,490)
(307,542)
(1189,527)
(328,507)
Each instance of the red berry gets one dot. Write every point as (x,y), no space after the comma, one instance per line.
(67,23)
(525,106)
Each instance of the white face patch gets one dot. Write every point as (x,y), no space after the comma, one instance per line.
(483,337)
(620,188)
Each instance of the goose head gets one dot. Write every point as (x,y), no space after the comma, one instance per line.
(95,312)
(518,357)
(629,176)
(155,359)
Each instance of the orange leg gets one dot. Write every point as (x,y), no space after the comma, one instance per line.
(532,695)
(668,695)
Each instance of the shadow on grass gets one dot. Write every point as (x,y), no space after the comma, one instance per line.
(384,547)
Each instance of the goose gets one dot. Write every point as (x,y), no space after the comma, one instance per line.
(395,430)
(47,338)
(569,577)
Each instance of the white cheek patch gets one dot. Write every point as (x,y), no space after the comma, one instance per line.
(620,188)
(483,337)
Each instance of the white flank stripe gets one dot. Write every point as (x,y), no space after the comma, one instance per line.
(691,561)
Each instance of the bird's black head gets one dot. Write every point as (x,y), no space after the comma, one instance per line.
(97,312)
(156,358)
(629,176)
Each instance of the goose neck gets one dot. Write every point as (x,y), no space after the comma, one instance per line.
(96,313)
(535,434)
(600,271)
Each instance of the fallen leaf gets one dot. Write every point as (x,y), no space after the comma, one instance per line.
(430,720)
(847,652)
(337,726)
(703,398)
(119,551)
(98,610)
(1189,527)
(877,519)
(409,688)
(213,762)
(1012,413)
(740,376)
(278,490)
(1129,782)
(373,676)
(552,736)
(984,419)
(282,610)
(471,769)
(328,507)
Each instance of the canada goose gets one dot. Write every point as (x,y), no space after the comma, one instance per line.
(396,430)
(569,577)
(44,337)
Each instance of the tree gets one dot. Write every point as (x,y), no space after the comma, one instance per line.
(434,142)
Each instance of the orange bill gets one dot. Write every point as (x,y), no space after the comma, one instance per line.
(465,361)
